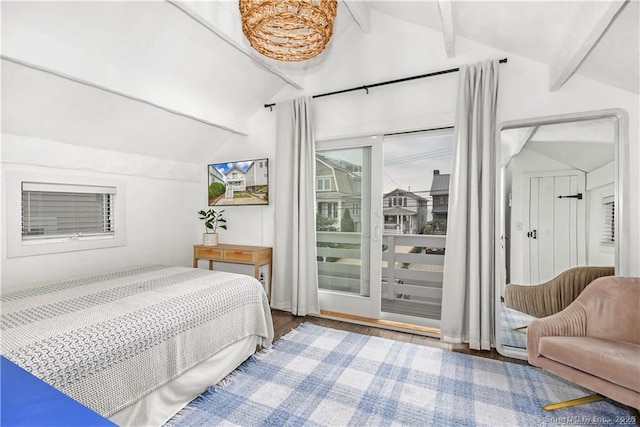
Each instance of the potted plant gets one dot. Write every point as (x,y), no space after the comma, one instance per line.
(212,221)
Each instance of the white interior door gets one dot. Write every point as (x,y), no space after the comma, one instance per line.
(555,224)
(348,217)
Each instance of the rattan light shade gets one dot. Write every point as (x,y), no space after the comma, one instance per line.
(288,30)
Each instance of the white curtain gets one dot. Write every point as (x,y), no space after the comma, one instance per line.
(295,277)
(469,271)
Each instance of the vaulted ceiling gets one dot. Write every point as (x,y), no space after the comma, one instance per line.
(174,78)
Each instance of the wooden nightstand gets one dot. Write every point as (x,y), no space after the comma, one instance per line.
(238,254)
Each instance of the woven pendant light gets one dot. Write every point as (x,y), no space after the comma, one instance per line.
(288,30)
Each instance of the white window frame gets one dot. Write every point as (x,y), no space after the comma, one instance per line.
(322,181)
(17,247)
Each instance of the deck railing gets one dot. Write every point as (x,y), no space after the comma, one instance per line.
(339,262)
(412,266)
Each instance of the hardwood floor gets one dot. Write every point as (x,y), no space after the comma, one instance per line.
(284,322)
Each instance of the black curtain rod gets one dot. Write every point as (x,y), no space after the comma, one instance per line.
(418,131)
(389,82)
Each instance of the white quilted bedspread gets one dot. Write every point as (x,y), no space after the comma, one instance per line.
(108,340)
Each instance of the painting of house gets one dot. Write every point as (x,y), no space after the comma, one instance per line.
(215,175)
(243,182)
(404,212)
(257,177)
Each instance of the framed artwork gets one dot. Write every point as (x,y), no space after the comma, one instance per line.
(239,183)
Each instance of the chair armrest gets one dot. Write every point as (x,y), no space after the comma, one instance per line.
(570,322)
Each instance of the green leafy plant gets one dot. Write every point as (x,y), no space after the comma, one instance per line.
(216,189)
(347,225)
(212,220)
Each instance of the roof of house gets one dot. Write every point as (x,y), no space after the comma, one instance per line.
(396,210)
(403,193)
(347,175)
(237,168)
(440,184)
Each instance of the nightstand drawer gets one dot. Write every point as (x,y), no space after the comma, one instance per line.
(213,253)
(258,256)
(238,256)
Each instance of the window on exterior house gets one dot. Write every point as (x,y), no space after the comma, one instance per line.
(323,184)
(332,210)
(60,211)
(389,202)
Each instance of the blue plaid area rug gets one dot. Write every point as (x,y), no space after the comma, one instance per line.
(317,376)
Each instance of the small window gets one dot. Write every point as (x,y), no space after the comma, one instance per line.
(62,211)
(608,236)
(323,184)
(50,213)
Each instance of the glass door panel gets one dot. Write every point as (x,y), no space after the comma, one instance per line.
(340,219)
(345,243)
(415,196)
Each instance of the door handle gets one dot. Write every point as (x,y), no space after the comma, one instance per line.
(532,234)
(376,233)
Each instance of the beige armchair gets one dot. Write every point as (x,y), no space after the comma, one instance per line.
(595,342)
(555,295)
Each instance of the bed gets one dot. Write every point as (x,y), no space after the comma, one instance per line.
(136,345)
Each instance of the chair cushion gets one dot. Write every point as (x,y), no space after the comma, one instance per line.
(614,361)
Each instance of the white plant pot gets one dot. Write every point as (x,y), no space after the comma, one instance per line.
(210,239)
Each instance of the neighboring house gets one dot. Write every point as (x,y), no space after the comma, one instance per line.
(215,175)
(404,212)
(338,189)
(440,197)
(236,179)
(257,175)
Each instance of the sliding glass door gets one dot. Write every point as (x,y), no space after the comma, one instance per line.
(381,222)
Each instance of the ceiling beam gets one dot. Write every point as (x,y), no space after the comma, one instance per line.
(581,37)
(224,22)
(361,13)
(448,29)
(238,127)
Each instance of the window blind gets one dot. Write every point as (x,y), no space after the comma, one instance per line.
(66,211)
(608,236)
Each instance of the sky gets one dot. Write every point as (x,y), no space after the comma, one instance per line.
(409,162)
(224,167)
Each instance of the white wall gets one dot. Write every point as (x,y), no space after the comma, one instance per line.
(162,198)
(523,93)
(249,225)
